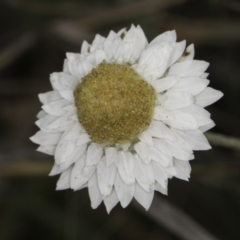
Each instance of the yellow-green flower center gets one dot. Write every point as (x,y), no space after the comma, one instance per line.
(114,103)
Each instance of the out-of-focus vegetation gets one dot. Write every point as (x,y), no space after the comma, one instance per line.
(34,38)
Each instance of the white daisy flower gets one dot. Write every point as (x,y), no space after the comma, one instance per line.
(125,115)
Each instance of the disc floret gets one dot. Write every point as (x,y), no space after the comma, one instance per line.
(114,103)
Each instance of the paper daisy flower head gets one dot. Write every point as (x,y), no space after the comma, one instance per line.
(125,115)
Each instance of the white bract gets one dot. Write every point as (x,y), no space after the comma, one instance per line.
(122,172)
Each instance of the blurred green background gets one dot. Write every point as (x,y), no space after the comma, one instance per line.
(35,35)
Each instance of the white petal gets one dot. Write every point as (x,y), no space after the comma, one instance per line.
(200,114)
(84,67)
(178,49)
(110,154)
(207,97)
(45,121)
(118,49)
(127,51)
(64,149)
(74,117)
(169,36)
(88,171)
(144,174)
(160,130)
(176,119)
(188,54)
(164,84)
(56,108)
(63,81)
(154,61)
(67,94)
(176,100)
(106,176)
(94,192)
(49,97)
(140,43)
(180,149)
(124,191)
(111,200)
(55,170)
(136,37)
(75,156)
(170,171)
(99,56)
(161,146)
(207,127)
(94,154)
(160,175)
(64,180)
(73,133)
(191,68)
(183,169)
(159,188)
(143,151)
(98,42)
(70,108)
(125,146)
(50,150)
(143,197)
(74,56)
(41,114)
(83,138)
(195,139)
(204,75)
(46,138)
(121,33)
(78,176)
(75,70)
(109,47)
(58,123)
(85,47)
(125,165)
(160,157)
(65,66)
(192,85)
(91,58)
(146,137)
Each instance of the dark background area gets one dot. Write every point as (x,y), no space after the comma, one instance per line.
(35,35)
